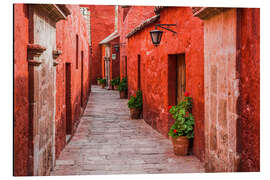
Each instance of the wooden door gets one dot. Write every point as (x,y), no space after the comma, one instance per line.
(125,66)
(82,94)
(181,77)
(77,51)
(139,72)
(68,99)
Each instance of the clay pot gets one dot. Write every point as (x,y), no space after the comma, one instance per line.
(103,86)
(180,145)
(98,83)
(123,94)
(135,113)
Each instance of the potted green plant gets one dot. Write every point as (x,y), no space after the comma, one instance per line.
(98,80)
(135,105)
(103,82)
(183,128)
(116,82)
(122,88)
(112,82)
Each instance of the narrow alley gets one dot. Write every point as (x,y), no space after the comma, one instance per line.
(108,142)
(126,89)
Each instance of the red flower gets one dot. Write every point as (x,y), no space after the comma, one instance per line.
(186,94)
(175,131)
(169,107)
(187,114)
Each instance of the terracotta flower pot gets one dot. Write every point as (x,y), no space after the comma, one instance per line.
(103,86)
(98,83)
(135,113)
(123,94)
(180,145)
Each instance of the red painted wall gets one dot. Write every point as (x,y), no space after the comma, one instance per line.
(66,31)
(154,70)
(102,25)
(128,19)
(115,65)
(249,101)
(21,102)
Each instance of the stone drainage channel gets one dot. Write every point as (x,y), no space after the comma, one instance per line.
(107,141)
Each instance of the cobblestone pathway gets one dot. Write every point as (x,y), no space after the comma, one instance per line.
(108,142)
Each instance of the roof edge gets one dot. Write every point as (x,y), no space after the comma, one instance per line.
(109,38)
(207,12)
(144,24)
(157,9)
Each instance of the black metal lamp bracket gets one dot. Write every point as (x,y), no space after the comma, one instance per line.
(162,26)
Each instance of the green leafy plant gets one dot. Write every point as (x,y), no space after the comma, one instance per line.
(123,85)
(98,79)
(136,101)
(184,120)
(112,82)
(102,81)
(117,81)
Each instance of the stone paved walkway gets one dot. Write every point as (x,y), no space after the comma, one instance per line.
(108,142)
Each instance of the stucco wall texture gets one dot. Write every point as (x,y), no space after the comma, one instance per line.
(128,19)
(66,31)
(221,92)
(102,24)
(154,70)
(21,101)
(249,102)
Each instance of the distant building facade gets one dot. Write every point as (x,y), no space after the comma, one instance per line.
(102,23)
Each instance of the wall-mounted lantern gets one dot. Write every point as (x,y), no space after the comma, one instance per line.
(156,34)
(116,47)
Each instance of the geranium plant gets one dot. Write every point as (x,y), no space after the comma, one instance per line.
(184,121)
(136,101)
